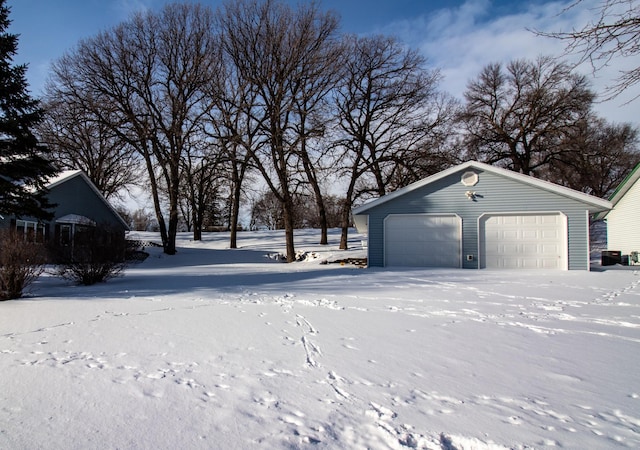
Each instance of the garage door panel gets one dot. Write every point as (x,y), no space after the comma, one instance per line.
(422,240)
(523,241)
(551,249)
(549,234)
(508,234)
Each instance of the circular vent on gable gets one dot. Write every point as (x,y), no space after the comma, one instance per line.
(469,178)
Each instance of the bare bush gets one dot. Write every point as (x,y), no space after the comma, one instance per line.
(95,256)
(20,264)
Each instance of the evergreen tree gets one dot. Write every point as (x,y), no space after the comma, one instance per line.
(24,166)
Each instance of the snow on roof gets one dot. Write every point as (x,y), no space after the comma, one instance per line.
(76,219)
(62,176)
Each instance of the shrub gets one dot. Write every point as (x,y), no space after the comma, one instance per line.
(20,264)
(97,255)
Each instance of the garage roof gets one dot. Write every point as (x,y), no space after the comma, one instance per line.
(594,204)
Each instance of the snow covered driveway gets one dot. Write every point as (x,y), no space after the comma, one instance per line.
(224,349)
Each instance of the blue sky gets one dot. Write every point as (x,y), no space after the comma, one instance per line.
(459,37)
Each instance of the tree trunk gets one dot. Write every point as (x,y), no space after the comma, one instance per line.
(170,246)
(288,218)
(197,232)
(200,212)
(322,212)
(289,227)
(344,236)
(235,215)
(197,217)
(156,198)
(235,208)
(346,211)
(324,232)
(344,224)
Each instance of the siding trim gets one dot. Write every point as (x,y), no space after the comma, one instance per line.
(588,241)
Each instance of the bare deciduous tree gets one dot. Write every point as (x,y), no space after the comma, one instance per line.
(437,151)
(319,74)
(270,45)
(152,70)
(387,106)
(79,140)
(203,169)
(613,33)
(266,211)
(519,116)
(597,158)
(234,127)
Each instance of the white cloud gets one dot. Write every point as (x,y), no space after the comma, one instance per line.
(460,41)
(125,8)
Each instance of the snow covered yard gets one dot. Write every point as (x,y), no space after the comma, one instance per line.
(230,349)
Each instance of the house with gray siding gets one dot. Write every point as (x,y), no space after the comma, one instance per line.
(623,221)
(78,205)
(478,216)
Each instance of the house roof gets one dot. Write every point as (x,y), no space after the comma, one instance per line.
(626,184)
(66,175)
(595,204)
(62,176)
(621,190)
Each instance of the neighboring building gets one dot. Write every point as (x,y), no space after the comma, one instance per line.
(78,205)
(478,216)
(623,221)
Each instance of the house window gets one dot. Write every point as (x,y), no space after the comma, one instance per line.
(82,234)
(65,234)
(31,231)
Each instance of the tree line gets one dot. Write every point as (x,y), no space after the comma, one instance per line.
(205,105)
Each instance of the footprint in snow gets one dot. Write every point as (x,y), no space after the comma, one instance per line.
(292,420)
(154,393)
(514,420)
(189,382)
(382,412)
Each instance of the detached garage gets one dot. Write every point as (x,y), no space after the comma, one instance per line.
(478,216)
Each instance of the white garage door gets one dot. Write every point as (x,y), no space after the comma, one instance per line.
(525,241)
(422,240)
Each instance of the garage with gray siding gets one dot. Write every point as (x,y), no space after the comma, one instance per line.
(479,216)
